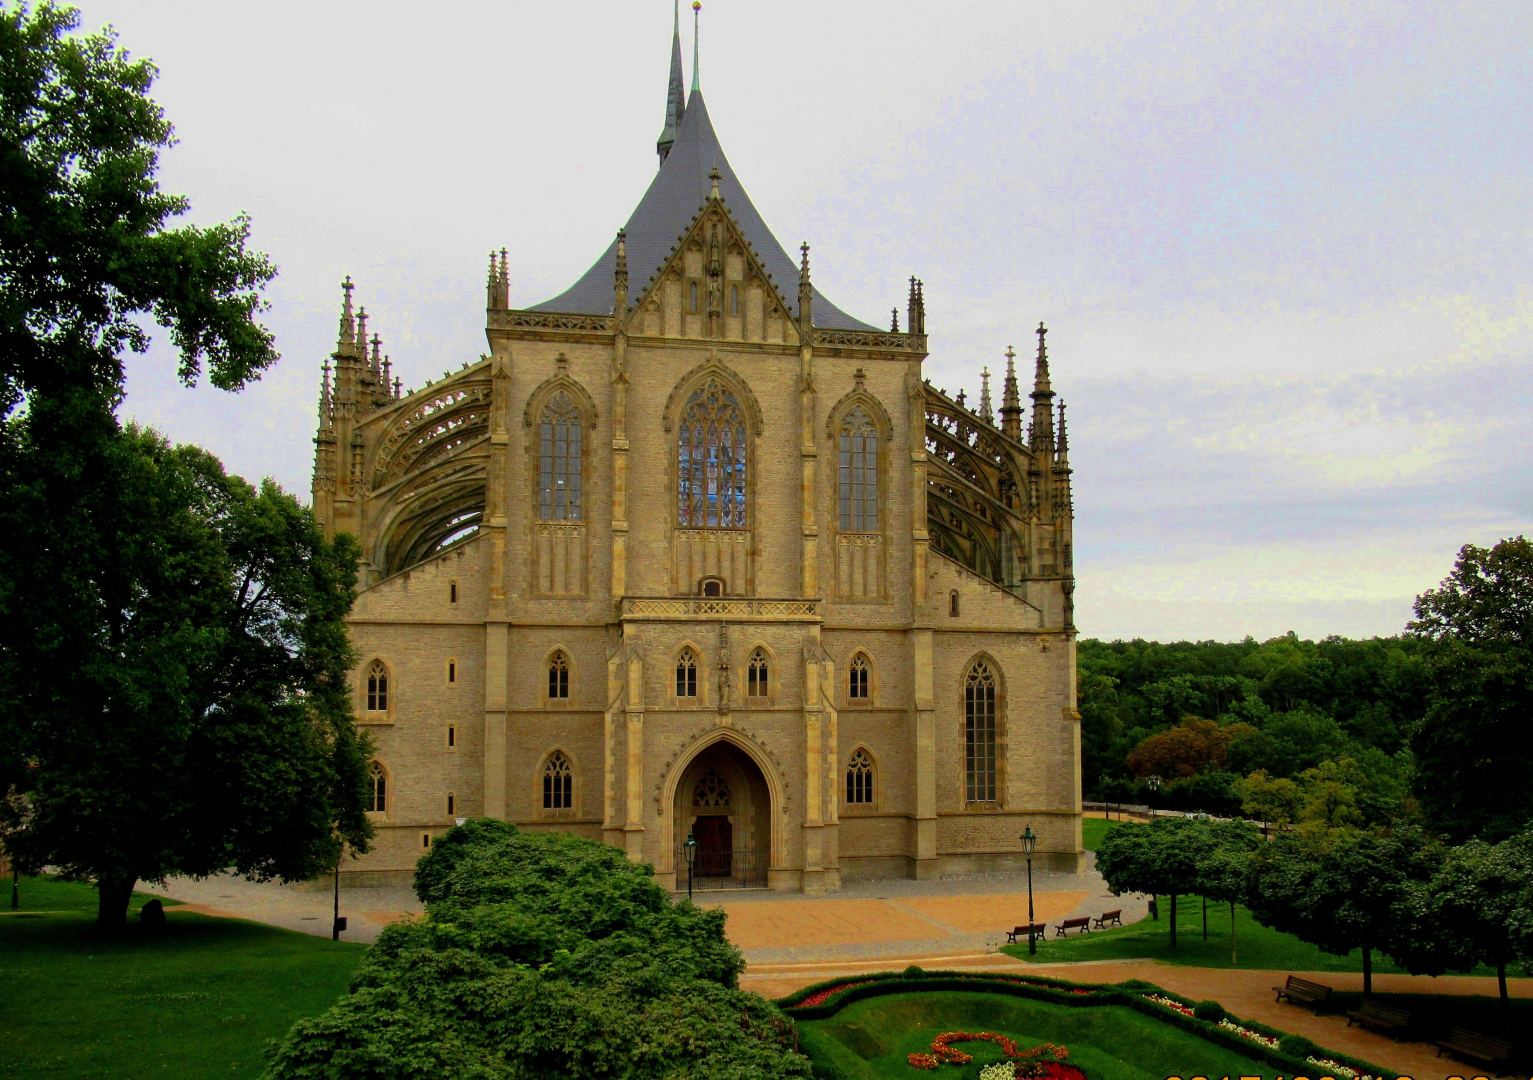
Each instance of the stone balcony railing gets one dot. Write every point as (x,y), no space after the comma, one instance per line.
(715,608)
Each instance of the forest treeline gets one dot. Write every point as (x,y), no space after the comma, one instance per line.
(1288,729)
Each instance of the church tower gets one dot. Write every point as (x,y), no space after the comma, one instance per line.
(692,552)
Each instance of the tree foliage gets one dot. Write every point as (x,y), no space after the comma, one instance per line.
(84,243)
(544,955)
(1472,749)
(1342,889)
(1160,858)
(193,711)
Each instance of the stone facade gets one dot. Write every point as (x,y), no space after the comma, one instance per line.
(708,558)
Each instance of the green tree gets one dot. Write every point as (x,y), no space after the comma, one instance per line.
(84,244)
(1224,869)
(1160,857)
(1472,750)
(203,719)
(1481,897)
(1267,798)
(545,955)
(1341,889)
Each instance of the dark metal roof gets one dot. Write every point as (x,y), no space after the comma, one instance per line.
(674,197)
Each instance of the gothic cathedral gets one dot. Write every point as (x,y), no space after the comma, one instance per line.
(693,555)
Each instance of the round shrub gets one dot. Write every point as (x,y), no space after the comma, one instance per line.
(1297,1046)
(912,972)
(1211,1011)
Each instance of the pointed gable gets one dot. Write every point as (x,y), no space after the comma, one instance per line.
(670,205)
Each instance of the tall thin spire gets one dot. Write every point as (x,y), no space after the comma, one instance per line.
(1041,430)
(675,95)
(985,411)
(346,335)
(1011,400)
(697,84)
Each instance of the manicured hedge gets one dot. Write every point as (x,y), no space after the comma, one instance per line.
(1130,994)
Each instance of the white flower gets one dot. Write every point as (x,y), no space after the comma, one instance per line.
(1001,1070)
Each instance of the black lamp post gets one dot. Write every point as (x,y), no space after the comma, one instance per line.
(1029,842)
(339,921)
(1154,782)
(690,847)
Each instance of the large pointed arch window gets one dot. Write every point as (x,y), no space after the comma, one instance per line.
(711,460)
(979,733)
(559,472)
(858,472)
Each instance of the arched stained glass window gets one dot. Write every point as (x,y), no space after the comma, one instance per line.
(858,484)
(558,676)
(859,779)
(558,783)
(711,460)
(857,679)
(756,675)
(559,478)
(979,733)
(378,687)
(377,788)
(686,674)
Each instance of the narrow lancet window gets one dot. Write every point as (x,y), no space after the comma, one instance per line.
(859,779)
(377,788)
(979,734)
(558,783)
(686,674)
(857,679)
(559,461)
(858,465)
(756,675)
(378,687)
(558,676)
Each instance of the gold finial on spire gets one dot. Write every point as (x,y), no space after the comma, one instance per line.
(697,7)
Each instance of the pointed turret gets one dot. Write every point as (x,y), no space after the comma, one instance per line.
(675,94)
(985,412)
(894,320)
(491,283)
(620,275)
(805,290)
(1041,430)
(347,334)
(1062,457)
(1011,399)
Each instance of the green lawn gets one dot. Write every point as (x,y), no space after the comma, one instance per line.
(1093,829)
(199,1000)
(1258,946)
(870,1038)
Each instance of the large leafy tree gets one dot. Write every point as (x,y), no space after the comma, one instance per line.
(545,955)
(198,715)
(1481,899)
(1342,889)
(1473,751)
(85,247)
(1161,857)
(172,642)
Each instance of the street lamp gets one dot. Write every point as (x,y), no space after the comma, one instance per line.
(338,923)
(1154,782)
(1029,842)
(690,847)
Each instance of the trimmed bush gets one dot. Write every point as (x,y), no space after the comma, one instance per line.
(1211,1011)
(1298,1046)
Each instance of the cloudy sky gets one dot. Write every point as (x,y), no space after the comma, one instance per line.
(1285,251)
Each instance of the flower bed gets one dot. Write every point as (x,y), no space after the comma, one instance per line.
(1046,1061)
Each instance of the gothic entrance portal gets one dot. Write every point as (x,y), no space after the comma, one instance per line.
(723,803)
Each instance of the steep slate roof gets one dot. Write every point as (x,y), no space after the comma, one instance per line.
(675,195)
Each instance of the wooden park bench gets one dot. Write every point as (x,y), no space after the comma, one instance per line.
(1388,1019)
(1019,933)
(1475,1046)
(1303,992)
(1114,917)
(1083,924)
